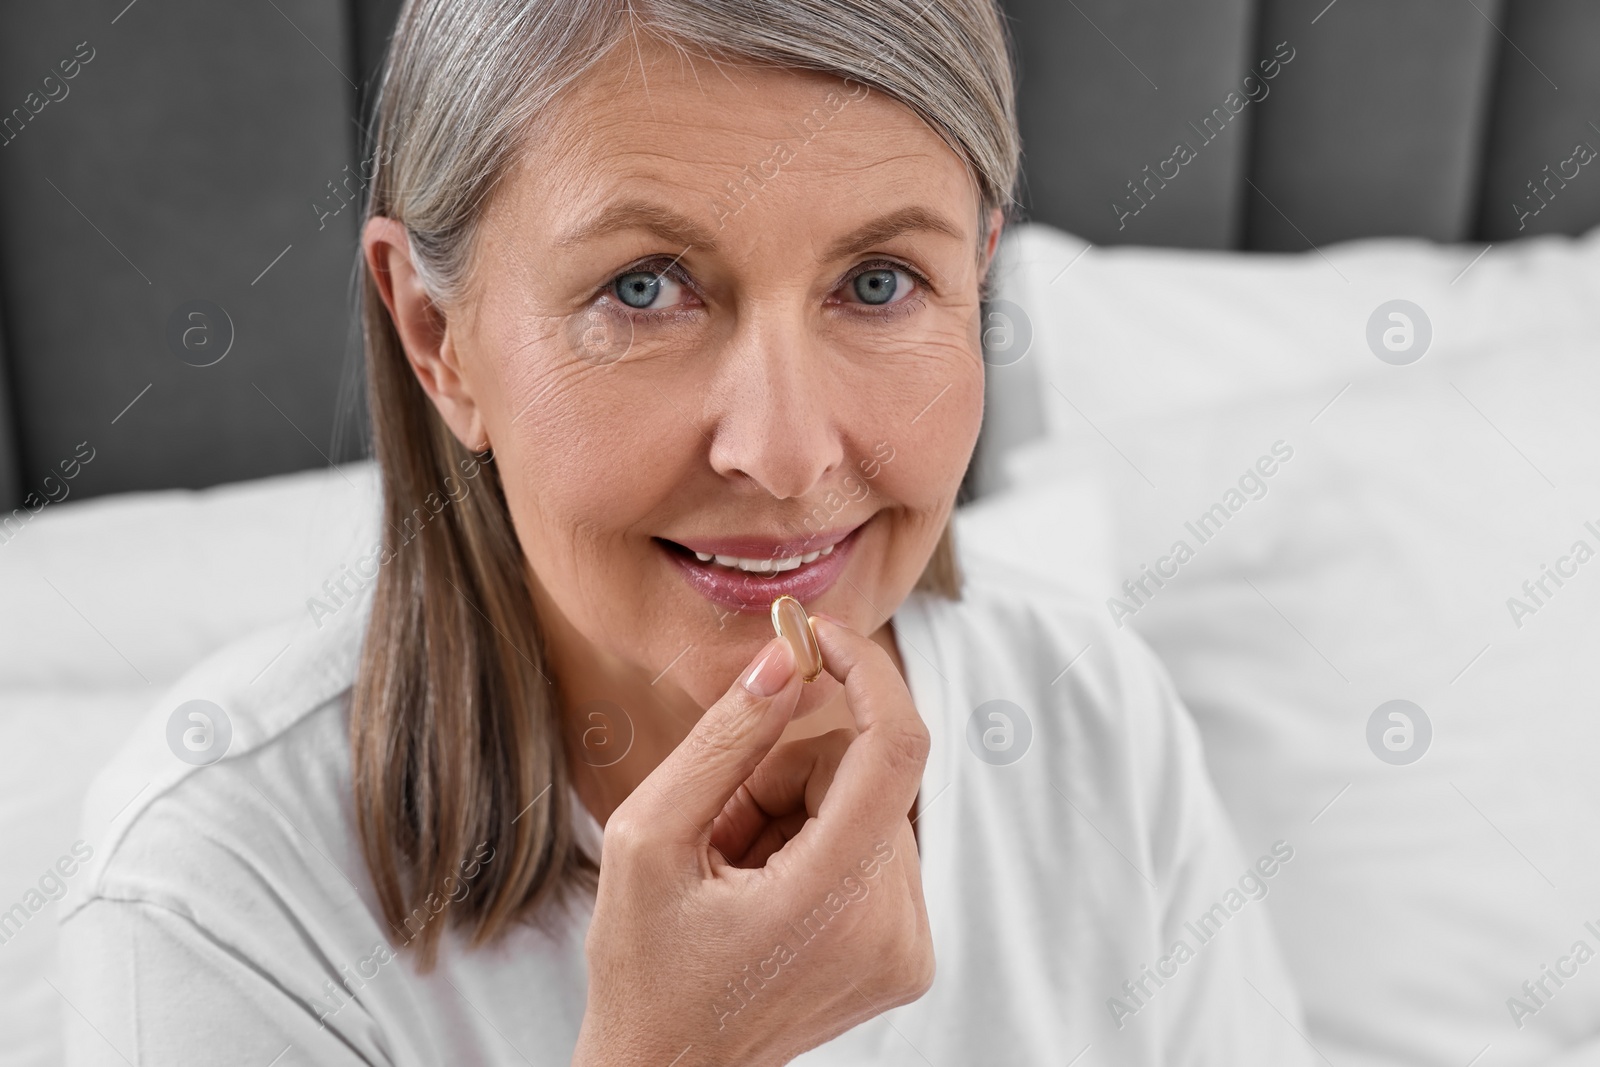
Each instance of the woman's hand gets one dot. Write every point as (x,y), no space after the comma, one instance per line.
(756,901)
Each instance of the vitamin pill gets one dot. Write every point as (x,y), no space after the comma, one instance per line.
(790,621)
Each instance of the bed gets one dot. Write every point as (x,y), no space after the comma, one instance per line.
(1158,340)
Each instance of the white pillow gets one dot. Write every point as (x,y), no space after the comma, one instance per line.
(107,602)
(138,587)
(1377,566)
(1041,519)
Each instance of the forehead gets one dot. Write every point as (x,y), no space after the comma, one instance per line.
(711,139)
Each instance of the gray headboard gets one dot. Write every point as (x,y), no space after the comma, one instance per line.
(1428,118)
(177,176)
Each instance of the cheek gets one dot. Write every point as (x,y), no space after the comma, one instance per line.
(953,423)
(583,457)
(918,418)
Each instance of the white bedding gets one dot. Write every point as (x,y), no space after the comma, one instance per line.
(106,602)
(1377,566)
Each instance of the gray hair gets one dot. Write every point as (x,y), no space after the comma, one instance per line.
(454,729)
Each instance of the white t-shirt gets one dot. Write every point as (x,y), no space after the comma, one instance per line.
(1088,901)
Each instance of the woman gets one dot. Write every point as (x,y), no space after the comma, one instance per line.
(672,308)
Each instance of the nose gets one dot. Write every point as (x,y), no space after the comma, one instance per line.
(777,418)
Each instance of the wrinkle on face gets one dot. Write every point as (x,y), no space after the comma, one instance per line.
(762,403)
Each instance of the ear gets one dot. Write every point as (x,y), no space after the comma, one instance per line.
(424,331)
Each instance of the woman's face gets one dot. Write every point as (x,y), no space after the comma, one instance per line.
(721,312)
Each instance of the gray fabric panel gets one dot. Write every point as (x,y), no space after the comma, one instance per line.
(1379,125)
(1109,87)
(10,465)
(1547,101)
(185,157)
(373,22)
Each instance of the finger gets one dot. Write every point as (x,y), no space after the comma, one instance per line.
(681,798)
(878,776)
(764,839)
(791,781)
(796,776)
(778,833)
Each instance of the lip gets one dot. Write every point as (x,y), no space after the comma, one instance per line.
(745,592)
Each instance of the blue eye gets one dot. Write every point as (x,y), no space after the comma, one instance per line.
(638,289)
(647,293)
(876,286)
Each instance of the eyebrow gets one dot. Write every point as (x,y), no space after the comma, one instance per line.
(639,215)
(887,227)
(672,226)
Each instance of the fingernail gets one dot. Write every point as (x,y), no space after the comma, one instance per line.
(789,620)
(772,671)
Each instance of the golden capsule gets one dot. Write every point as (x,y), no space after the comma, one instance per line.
(792,624)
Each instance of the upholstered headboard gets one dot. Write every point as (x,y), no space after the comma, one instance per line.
(178,183)
(1309,121)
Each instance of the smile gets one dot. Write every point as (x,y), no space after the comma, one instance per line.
(763,566)
(747,573)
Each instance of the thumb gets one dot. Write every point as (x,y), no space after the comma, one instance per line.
(688,790)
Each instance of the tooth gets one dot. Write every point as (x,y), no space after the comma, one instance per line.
(763,566)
